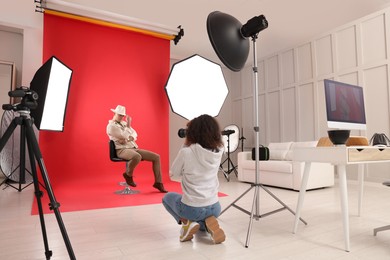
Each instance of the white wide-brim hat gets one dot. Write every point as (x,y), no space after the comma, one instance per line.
(120,110)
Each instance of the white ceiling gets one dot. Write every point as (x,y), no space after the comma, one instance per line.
(291,22)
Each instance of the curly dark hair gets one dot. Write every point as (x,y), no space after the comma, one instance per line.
(205,131)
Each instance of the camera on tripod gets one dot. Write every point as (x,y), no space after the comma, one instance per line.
(29,99)
(182,132)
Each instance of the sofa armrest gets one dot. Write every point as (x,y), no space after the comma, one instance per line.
(241,157)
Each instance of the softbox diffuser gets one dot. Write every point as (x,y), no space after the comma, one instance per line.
(51,82)
(196,86)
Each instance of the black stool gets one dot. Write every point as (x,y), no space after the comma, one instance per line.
(113,157)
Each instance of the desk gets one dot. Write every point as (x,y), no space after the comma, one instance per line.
(339,156)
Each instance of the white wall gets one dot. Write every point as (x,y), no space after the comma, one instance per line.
(21,16)
(291,92)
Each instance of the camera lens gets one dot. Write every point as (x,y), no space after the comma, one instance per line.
(182,132)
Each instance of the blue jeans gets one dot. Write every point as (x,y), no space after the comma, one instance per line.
(179,210)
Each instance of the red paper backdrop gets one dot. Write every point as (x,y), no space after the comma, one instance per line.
(110,67)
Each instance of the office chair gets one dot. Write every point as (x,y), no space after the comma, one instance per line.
(113,157)
(376,230)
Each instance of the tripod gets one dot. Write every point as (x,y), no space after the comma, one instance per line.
(255,211)
(242,139)
(27,135)
(228,160)
(22,171)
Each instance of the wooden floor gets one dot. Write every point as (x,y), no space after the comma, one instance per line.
(149,232)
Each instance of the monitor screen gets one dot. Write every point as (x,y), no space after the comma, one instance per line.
(344,105)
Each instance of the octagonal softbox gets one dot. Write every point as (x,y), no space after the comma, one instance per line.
(196,86)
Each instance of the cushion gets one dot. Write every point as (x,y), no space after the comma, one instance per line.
(297,145)
(278,151)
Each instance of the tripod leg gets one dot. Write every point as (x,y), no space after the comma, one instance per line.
(54,205)
(38,194)
(225,173)
(22,169)
(7,134)
(234,168)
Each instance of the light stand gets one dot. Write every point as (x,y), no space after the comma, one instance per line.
(28,135)
(228,160)
(242,139)
(255,211)
(21,167)
(220,26)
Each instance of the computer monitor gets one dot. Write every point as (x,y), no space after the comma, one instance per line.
(344,106)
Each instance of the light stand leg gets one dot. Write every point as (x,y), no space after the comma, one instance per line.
(22,163)
(255,204)
(54,205)
(7,134)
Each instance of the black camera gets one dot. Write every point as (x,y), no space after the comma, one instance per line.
(182,132)
(29,99)
(228,132)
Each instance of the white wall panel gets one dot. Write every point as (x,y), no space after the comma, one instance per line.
(273,116)
(247,121)
(305,64)
(260,75)
(376,100)
(262,120)
(272,70)
(237,113)
(289,121)
(349,78)
(373,39)
(287,74)
(323,57)
(346,50)
(235,87)
(246,82)
(306,112)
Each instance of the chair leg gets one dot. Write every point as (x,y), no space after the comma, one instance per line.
(376,230)
(126,191)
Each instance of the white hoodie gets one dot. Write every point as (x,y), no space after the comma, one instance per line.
(197,168)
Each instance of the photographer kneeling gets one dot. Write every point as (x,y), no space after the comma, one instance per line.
(197,165)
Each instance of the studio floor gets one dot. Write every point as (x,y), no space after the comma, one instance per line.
(149,232)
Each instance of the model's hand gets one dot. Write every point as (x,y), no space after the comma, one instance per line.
(128,120)
(122,141)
